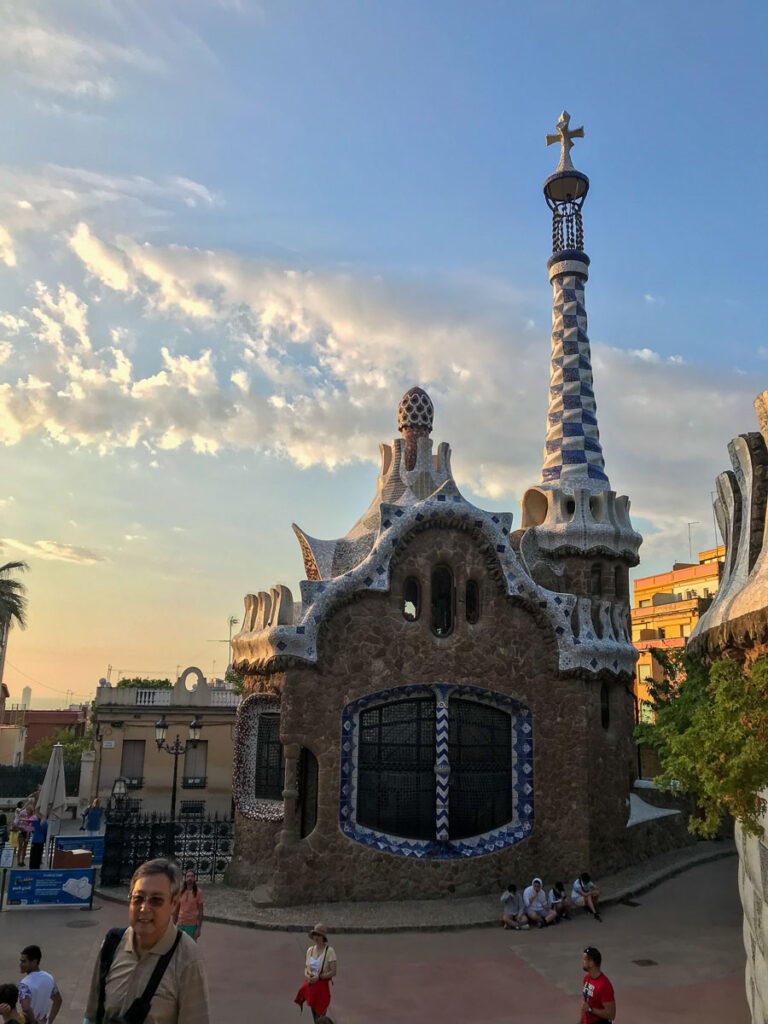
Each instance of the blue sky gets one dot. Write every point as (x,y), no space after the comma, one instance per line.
(232,234)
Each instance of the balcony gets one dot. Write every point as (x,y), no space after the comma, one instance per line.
(225,698)
(153,698)
(194,782)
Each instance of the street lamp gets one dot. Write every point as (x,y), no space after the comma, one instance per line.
(176,749)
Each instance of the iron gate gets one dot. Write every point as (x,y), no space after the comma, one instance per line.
(202,844)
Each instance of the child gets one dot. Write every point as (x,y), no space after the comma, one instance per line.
(513,914)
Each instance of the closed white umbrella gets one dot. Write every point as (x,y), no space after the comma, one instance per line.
(52,801)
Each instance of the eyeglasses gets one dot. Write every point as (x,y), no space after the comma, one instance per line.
(140,900)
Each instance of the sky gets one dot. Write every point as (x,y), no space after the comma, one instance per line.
(233,233)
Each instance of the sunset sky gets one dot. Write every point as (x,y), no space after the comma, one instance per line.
(232,234)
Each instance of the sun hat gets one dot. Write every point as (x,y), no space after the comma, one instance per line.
(319,929)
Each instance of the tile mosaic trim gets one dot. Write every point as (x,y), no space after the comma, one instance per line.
(447,849)
(446,508)
(246,743)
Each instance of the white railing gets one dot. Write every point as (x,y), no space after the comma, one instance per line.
(150,697)
(225,698)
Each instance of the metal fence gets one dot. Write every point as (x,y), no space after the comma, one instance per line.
(202,844)
(21,780)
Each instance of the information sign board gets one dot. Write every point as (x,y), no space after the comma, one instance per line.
(66,888)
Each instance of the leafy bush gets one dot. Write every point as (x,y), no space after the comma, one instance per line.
(137,683)
(711,735)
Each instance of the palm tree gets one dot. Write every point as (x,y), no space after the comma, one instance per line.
(13,604)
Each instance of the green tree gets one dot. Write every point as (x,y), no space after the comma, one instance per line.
(234,679)
(145,684)
(73,748)
(13,594)
(711,735)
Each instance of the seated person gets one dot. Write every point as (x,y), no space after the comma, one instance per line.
(559,902)
(536,905)
(513,914)
(9,997)
(586,894)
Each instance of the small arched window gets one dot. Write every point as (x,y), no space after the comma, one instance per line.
(442,600)
(472,601)
(270,759)
(621,583)
(596,580)
(605,706)
(411,599)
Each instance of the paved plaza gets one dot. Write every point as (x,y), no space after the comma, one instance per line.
(689,926)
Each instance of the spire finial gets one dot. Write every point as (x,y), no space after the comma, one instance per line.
(565,136)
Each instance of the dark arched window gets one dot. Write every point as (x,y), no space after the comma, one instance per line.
(396,768)
(472,601)
(307,779)
(270,760)
(605,706)
(411,599)
(596,580)
(442,600)
(621,583)
(480,755)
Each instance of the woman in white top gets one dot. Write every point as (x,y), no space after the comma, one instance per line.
(319,970)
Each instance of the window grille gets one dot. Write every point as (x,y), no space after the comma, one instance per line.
(192,807)
(396,768)
(480,756)
(270,759)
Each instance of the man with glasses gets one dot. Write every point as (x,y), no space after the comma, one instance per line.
(598,1002)
(150,972)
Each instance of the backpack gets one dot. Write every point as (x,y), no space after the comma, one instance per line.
(138,1011)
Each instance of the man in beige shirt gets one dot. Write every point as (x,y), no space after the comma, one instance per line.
(182,994)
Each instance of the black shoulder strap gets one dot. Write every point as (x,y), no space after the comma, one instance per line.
(138,1011)
(108,950)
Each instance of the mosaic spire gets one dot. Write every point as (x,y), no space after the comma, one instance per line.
(573,457)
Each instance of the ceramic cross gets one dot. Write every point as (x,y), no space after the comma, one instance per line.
(564,137)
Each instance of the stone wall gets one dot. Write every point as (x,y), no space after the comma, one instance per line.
(753,888)
(582,771)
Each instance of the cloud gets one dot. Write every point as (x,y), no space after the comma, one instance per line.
(310,365)
(51,197)
(64,60)
(653,300)
(50,550)
(7,251)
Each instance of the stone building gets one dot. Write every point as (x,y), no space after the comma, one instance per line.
(450,704)
(736,626)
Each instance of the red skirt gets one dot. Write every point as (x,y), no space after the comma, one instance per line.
(316,996)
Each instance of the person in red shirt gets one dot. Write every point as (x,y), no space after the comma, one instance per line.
(189,911)
(599,1002)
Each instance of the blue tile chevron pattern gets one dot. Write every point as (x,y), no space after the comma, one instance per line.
(573,456)
(442,766)
(507,835)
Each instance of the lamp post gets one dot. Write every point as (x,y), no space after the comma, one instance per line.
(176,749)
(118,794)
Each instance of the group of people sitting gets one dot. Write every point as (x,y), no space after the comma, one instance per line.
(537,906)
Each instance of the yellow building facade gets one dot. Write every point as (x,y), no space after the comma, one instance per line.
(124,725)
(666,607)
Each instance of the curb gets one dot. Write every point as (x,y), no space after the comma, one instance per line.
(619,895)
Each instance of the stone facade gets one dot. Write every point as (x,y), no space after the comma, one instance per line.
(450,704)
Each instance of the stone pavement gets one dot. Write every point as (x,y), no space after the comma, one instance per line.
(233,906)
(689,927)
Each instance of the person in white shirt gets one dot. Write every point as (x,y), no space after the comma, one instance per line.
(39,995)
(513,913)
(537,906)
(586,894)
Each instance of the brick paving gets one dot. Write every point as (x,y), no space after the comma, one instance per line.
(689,925)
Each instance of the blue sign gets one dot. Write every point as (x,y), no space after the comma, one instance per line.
(93,843)
(70,888)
